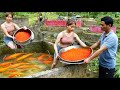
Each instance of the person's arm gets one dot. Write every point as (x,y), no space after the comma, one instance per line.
(5,31)
(60,35)
(95,45)
(96,54)
(17,27)
(106,45)
(80,42)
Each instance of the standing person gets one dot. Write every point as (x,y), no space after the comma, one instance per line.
(8,27)
(108,48)
(65,39)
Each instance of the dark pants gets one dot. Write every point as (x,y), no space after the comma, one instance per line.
(106,73)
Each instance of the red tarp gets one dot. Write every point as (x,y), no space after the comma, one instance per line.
(97,29)
(60,23)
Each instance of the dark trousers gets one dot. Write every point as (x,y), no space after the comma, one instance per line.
(106,73)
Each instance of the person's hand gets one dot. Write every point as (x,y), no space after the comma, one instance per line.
(13,38)
(87,46)
(24,27)
(87,60)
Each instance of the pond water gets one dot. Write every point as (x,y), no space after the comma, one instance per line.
(35,60)
(24,64)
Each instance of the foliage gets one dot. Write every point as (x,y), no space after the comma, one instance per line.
(32,16)
(93,65)
(117,68)
(54,15)
(118,32)
(50,15)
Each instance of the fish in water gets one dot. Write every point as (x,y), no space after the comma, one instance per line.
(9,72)
(25,66)
(42,56)
(5,64)
(16,74)
(17,64)
(31,58)
(13,56)
(48,60)
(3,69)
(23,57)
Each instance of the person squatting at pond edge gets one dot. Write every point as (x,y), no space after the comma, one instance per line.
(64,39)
(8,28)
(108,43)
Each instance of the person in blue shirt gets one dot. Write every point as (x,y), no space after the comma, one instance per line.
(108,43)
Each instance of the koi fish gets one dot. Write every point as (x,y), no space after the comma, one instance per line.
(17,64)
(3,69)
(50,58)
(23,57)
(47,62)
(41,56)
(13,56)
(12,66)
(25,66)
(16,74)
(31,58)
(23,70)
(5,64)
(9,71)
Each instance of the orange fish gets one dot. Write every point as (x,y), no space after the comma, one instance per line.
(24,56)
(50,58)
(17,64)
(12,70)
(13,56)
(6,73)
(9,71)
(41,56)
(25,66)
(5,64)
(47,62)
(3,69)
(23,70)
(16,74)
(31,58)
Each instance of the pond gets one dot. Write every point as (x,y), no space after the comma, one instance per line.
(34,61)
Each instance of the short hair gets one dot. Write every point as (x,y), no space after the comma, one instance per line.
(8,13)
(108,20)
(70,22)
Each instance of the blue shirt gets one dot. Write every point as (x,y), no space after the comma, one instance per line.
(107,58)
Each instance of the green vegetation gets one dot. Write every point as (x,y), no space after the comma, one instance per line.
(93,66)
(117,74)
(33,16)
